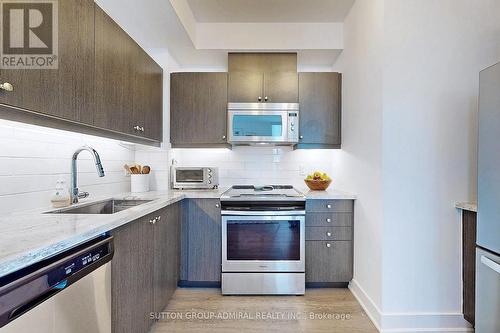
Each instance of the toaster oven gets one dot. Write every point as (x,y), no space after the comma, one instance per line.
(194,177)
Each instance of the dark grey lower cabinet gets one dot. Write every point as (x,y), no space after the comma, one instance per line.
(145,269)
(132,277)
(201,249)
(329,241)
(329,261)
(166,256)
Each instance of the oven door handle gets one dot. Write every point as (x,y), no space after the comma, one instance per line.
(263,213)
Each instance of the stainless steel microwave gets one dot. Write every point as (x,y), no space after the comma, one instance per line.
(263,123)
(194,177)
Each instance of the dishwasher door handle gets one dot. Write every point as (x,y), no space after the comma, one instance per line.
(491,264)
(38,300)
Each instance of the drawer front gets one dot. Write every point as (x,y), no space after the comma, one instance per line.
(329,220)
(328,233)
(329,261)
(323,206)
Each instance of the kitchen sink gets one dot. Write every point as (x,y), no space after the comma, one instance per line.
(102,207)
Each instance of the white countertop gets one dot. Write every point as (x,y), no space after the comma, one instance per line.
(26,238)
(471,206)
(320,195)
(328,194)
(29,237)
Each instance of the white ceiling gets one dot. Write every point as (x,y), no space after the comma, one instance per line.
(156,25)
(256,11)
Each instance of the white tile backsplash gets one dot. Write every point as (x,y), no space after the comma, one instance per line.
(260,165)
(33,158)
(158,160)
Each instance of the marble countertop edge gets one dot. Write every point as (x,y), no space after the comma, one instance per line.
(470,206)
(31,236)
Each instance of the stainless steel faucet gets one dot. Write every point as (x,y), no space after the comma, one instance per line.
(75,193)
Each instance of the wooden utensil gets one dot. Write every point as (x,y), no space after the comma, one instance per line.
(127,168)
(134,170)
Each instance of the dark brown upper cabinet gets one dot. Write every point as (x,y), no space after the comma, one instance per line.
(253,87)
(147,97)
(245,87)
(281,87)
(68,91)
(115,57)
(198,104)
(128,87)
(320,110)
(262,62)
(263,77)
(105,84)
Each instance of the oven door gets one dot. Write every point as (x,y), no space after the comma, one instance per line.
(263,243)
(248,126)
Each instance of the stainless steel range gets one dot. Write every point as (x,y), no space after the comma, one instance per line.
(263,247)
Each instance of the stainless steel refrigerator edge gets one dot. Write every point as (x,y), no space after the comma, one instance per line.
(488,223)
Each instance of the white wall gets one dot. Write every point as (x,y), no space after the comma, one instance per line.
(410,90)
(360,167)
(433,52)
(261,165)
(33,158)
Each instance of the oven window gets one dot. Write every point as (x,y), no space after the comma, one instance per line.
(189,176)
(257,125)
(263,240)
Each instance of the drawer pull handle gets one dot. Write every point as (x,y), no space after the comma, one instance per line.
(328,245)
(329,234)
(329,220)
(328,206)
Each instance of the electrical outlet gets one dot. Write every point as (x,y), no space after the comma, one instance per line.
(302,170)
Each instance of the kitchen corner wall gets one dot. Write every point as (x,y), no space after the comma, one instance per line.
(33,158)
(261,165)
(410,91)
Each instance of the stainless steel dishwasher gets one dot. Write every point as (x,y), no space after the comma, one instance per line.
(70,292)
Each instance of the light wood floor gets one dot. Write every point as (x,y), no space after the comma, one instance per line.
(210,302)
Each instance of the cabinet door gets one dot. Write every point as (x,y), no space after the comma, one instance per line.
(148,96)
(329,261)
(66,92)
(132,277)
(198,109)
(320,110)
(281,87)
(245,87)
(166,255)
(114,75)
(204,240)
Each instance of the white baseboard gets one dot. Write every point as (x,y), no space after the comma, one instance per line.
(408,322)
(371,309)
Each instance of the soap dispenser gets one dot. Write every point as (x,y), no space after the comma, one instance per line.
(61,197)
